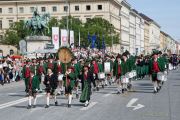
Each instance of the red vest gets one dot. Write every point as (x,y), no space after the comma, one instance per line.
(155,66)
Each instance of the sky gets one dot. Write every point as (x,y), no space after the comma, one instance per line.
(165,12)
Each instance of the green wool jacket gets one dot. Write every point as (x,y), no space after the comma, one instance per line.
(125,67)
(35,83)
(161,65)
(115,68)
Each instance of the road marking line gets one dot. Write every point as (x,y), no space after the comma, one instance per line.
(132,101)
(8,104)
(12,93)
(90,106)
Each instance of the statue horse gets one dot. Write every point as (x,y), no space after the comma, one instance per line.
(38,24)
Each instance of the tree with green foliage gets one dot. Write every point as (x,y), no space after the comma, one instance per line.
(102,27)
(11,38)
(15,33)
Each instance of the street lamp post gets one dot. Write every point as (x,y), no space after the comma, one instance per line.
(67,20)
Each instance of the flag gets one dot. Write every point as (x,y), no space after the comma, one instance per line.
(55,37)
(93,41)
(64,37)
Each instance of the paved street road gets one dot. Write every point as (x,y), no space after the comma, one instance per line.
(105,104)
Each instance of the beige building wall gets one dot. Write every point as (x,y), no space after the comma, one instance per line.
(110,10)
(5,49)
(132,36)
(146,37)
(125,13)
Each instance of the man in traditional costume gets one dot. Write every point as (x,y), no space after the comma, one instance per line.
(96,71)
(155,66)
(33,85)
(51,84)
(26,74)
(117,72)
(69,84)
(41,73)
(76,68)
(125,70)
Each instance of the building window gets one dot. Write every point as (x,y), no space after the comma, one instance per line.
(21,10)
(31,9)
(99,7)
(0,24)
(76,8)
(54,9)
(10,23)
(0,10)
(10,10)
(88,7)
(11,52)
(65,8)
(43,9)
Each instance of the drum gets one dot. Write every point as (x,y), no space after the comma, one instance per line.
(60,77)
(129,75)
(124,79)
(101,75)
(161,76)
(134,73)
(107,67)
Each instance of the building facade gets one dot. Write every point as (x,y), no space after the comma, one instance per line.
(132,35)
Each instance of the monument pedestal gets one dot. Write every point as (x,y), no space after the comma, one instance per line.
(37,43)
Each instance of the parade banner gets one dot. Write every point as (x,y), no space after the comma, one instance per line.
(72,38)
(64,37)
(55,37)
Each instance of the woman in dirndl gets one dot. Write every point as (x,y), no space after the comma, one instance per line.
(86,78)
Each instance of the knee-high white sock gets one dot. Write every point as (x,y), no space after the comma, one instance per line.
(35,99)
(77,89)
(155,86)
(69,99)
(47,100)
(55,98)
(29,99)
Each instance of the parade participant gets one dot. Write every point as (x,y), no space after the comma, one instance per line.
(155,66)
(101,70)
(50,82)
(139,65)
(59,72)
(76,68)
(33,84)
(117,72)
(69,84)
(96,71)
(50,64)
(125,69)
(86,78)
(26,74)
(108,73)
(41,74)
